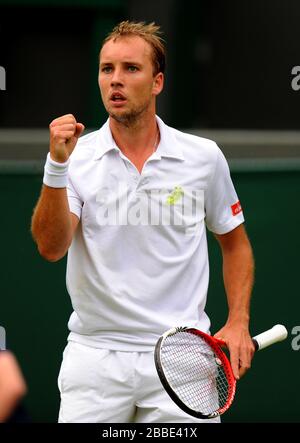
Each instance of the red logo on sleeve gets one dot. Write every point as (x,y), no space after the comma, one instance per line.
(236,208)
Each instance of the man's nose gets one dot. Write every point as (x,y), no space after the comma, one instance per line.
(117,78)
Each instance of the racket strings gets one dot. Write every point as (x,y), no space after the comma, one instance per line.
(195,373)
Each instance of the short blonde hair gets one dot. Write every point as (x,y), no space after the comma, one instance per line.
(150,33)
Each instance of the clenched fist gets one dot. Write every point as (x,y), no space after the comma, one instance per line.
(64,133)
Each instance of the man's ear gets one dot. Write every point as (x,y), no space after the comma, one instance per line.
(158,83)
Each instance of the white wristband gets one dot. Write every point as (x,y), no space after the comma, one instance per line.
(55,173)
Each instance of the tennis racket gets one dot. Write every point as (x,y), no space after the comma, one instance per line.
(195,371)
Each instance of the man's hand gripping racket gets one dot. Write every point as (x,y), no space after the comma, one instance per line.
(195,371)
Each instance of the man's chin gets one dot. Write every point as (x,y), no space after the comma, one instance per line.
(126,118)
(119,116)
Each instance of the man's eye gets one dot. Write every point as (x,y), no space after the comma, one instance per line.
(106,69)
(132,68)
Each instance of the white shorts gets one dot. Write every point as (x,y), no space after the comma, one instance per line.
(104,386)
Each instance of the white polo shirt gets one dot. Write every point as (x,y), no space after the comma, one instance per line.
(138,263)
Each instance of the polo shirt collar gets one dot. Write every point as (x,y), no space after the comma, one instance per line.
(168,145)
(105,141)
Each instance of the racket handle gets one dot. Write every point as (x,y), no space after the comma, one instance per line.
(269,337)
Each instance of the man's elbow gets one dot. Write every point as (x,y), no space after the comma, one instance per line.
(51,255)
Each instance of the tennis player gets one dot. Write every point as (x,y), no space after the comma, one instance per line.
(130,204)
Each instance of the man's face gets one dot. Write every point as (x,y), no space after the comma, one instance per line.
(128,87)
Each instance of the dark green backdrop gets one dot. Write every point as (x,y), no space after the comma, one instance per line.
(35,306)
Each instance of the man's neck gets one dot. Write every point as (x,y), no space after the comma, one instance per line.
(137,142)
(139,139)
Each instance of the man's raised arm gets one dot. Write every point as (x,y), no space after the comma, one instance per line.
(53,225)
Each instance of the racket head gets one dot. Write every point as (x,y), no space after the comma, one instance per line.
(195,372)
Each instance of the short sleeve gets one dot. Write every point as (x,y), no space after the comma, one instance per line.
(75,202)
(222,206)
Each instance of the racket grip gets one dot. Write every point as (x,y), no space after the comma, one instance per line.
(269,337)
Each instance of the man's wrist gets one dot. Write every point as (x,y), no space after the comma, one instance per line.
(56,173)
(238,317)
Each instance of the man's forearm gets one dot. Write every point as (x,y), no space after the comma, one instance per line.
(51,223)
(238,273)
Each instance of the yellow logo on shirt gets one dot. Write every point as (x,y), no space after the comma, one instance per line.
(175,195)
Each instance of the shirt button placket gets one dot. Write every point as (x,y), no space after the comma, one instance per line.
(136,180)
